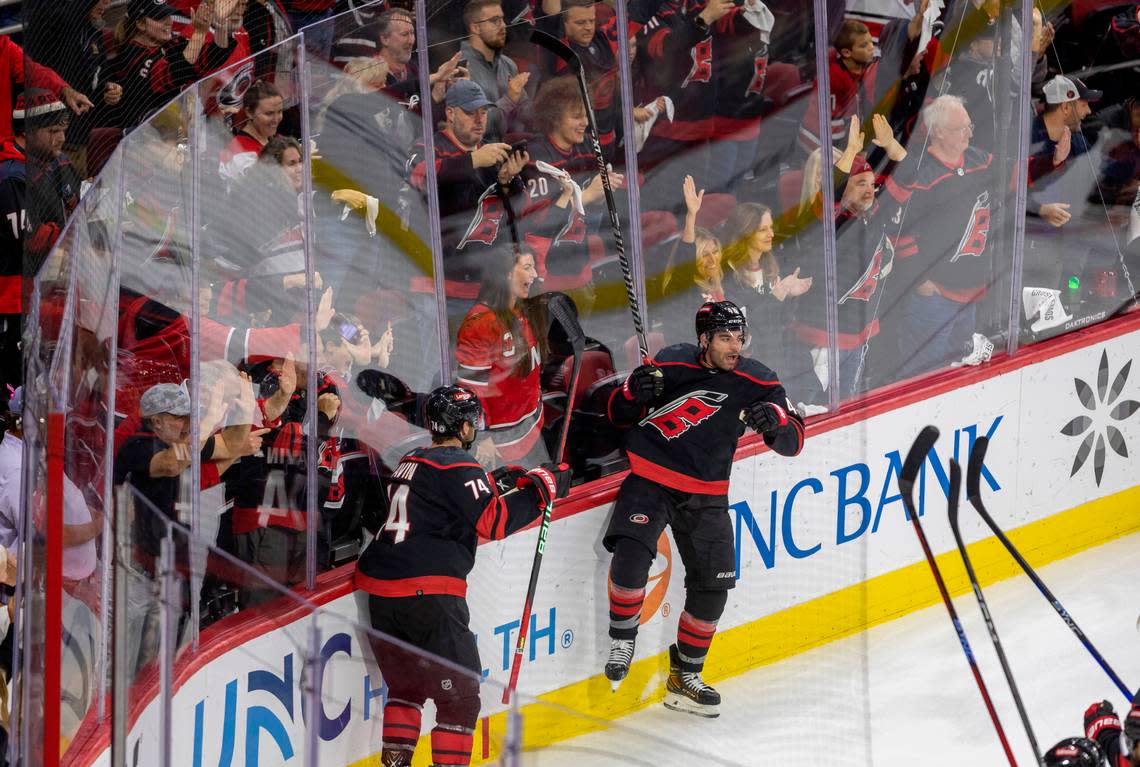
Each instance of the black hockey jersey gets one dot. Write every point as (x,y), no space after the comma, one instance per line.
(441,501)
(557,235)
(472,211)
(943,224)
(687,437)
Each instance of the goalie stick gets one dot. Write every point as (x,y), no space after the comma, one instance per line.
(974,495)
(559,307)
(559,49)
(914,458)
(952,510)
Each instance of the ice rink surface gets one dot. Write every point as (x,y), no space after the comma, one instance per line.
(914,702)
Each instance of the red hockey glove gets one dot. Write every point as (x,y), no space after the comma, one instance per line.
(765,417)
(1132,723)
(644,384)
(549,480)
(1100,717)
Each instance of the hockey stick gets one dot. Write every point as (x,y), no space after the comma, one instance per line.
(560,310)
(918,451)
(955,486)
(559,49)
(973,494)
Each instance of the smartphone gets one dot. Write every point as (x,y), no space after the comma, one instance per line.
(462,64)
(518,146)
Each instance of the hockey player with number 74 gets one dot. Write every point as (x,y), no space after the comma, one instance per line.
(441,501)
(686,411)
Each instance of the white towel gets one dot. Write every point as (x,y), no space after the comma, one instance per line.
(558,173)
(641,130)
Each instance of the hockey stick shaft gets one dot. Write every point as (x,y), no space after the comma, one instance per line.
(955,486)
(559,49)
(918,452)
(973,494)
(528,604)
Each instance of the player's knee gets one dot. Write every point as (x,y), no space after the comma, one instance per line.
(706,605)
(631,563)
(461,710)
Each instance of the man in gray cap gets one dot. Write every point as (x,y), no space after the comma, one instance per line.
(476,183)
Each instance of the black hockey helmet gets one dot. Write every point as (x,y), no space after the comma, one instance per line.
(720,315)
(1075,752)
(449,407)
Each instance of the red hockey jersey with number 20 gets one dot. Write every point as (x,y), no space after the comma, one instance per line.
(687,437)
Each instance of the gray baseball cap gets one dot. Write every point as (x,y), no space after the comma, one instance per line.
(165,398)
(467,95)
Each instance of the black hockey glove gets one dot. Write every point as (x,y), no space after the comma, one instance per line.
(507,477)
(550,481)
(644,384)
(765,417)
(1132,722)
(1100,717)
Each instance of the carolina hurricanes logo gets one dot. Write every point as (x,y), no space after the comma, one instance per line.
(484,226)
(879,268)
(574,231)
(602,92)
(973,242)
(759,72)
(231,93)
(684,413)
(702,63)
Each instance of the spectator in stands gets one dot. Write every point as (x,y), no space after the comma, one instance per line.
(575,22)
(479,188)
(1121,174)
(355,34)
(561,180)
(38,190)
(500,349)
(264,108)
(310,13)
(1057,182)
(942,262)
(15,71)
(495,72)
(152,67)
(152,463)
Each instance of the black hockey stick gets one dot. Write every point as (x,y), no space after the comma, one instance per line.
(955,486)
(561,310)
(974,495)
(918,452)
(563,52)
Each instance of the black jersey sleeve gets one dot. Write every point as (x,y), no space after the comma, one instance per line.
(494,515)
(787,439)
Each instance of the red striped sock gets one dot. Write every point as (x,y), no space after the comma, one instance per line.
(693,639)
(451,744)
(625,611)
(401,727)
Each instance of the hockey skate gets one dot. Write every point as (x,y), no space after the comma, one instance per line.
(686,691)
(621,654)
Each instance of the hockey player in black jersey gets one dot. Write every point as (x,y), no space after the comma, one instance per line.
(441,502)
(686,412)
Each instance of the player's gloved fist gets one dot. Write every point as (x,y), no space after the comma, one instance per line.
(1132,721)
(644,384)
(1100,717)
(550,480)
(765,417)
(507,477)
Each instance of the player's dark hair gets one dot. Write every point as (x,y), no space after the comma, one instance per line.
(556,97)
(256,93)
(473,9)
(849,31)
(495,294)
(737,232)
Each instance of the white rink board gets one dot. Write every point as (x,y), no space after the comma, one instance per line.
(790,516)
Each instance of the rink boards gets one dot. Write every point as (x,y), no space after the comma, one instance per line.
(823,545)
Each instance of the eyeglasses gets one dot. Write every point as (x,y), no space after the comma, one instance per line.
(967,128)
(497,21)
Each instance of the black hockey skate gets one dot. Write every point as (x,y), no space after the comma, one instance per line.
(621,655)
(391,757)
(686,691)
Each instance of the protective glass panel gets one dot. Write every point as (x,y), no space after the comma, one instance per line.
(524,217)
(378,341)
(1081,227)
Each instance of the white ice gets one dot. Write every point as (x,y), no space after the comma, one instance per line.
(915,702)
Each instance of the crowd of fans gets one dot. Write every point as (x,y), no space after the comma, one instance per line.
(729,182)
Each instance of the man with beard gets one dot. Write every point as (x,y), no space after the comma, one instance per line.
(476,182)
(487,66)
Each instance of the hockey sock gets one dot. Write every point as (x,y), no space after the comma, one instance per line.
(453,735)
(697,626)
(629,572)
(401,725)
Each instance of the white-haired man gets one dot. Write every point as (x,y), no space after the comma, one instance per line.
(942,258)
